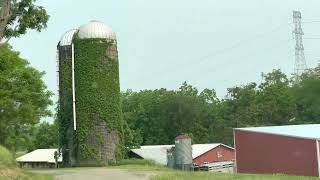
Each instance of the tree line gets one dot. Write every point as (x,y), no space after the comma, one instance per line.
(158,116)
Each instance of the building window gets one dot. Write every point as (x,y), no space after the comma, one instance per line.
(219,154)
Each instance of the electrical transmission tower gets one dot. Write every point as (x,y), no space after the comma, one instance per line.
(300,64)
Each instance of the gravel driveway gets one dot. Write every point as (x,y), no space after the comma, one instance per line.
(94,174)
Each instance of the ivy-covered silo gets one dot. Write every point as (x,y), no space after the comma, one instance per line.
(98,130)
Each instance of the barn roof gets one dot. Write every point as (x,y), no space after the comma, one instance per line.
(39,155)
(199,149)
(156,146)
(308,131)
(158,153)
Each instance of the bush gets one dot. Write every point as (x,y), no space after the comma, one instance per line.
(6,158)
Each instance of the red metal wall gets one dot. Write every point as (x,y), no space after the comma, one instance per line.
(261,153)
(212,155)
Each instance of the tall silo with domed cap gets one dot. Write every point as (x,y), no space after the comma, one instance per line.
(89,101)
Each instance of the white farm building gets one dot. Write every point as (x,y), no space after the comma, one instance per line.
(40,158)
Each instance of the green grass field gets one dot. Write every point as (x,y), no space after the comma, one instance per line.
(9,171)
(163,173)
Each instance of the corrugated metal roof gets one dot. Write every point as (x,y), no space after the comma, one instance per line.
(199,149)
(156,146)
(66,39)
(158,153)
(96,29)
(308,131)
(39,155)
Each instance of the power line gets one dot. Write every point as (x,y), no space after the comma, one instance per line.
(203,59)
(311,38)
(240,43)
(309,22)
(274,46)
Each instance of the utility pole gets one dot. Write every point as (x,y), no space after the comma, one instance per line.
(300,64)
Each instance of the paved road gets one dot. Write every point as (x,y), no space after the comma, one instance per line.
(94,174)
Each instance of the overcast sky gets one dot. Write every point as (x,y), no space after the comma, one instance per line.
(208,43)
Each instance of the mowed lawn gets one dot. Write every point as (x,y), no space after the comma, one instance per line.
(157,172)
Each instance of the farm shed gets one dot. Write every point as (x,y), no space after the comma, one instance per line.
(40,158)
(292,149)
(201,153)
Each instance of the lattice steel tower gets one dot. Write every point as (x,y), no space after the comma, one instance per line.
(300,62)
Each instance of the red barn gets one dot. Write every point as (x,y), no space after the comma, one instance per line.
(292,150)
(209,153)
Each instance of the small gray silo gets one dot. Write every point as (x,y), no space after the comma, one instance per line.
(183,153)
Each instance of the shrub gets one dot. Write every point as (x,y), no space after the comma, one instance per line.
(6,158)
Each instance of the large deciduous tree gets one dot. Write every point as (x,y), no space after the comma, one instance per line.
(158,116)
(24,98)
(46,136)
(17,16)
(307,97)
(275,103)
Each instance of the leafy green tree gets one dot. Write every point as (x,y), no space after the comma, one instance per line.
(236,110)
(158,116)
(241,105)
(24,98)
(17,16)
(209,95)
(307,97)
(46,136)
(275,103)
(187,89)
(187,113)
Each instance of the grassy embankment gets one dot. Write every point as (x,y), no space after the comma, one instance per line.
(163,173)
(10,171)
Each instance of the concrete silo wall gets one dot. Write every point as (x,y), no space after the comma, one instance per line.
(99,124)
